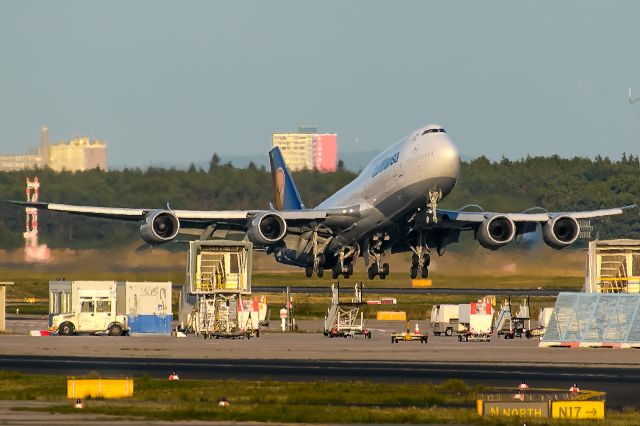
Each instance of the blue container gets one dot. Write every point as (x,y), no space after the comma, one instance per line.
(150,323)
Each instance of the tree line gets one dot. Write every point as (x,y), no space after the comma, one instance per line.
(552,182)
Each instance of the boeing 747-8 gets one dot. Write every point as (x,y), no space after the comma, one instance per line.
(392,206)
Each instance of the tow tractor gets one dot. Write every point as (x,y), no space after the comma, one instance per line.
(408,336)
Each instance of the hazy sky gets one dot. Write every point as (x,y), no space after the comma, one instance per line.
(173,82)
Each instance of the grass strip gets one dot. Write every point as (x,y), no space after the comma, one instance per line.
(287,402)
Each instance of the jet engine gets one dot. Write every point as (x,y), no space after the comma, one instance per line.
(560,231)
(496,231)
(267,229)
(159,226)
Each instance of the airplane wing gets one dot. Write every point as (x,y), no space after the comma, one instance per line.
(495,229)
(463,217)
(200,219)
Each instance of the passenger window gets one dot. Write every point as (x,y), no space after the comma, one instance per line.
(86,306)
(103,306)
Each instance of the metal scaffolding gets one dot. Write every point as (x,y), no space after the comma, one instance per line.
(613,266)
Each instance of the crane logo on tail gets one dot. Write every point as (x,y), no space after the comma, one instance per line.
(280,185)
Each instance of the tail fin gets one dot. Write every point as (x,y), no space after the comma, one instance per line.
(285,191)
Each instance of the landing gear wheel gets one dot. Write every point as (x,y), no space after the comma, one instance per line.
(413,272)
(350,269)
(115,330)
(308,271)
(372,272)
(335,273)
(385,269)
(415,259)
(320,272)
(425,272)
(66,329)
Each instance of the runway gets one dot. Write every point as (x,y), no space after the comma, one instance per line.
(619,383)
(415,291)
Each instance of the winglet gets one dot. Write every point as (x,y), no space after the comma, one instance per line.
(285,192)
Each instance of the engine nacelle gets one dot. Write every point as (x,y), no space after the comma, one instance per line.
(266,229)
(560,232)
(159,226)
(496,231)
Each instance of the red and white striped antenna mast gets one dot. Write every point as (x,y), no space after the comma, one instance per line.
(33,252)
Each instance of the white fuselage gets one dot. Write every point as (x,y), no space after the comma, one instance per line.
(398,180)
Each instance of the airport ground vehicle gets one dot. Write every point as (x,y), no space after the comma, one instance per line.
(345,319)
(110,307)
(93,310)
(444,319)
(475,322)
(408,336)
(543,320)
(216,300)
(512,325)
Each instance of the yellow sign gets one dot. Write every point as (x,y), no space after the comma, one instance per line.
(514,409)
(421,283)
(577,410)
(99,388)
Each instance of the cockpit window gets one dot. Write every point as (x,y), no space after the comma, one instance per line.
(433,131)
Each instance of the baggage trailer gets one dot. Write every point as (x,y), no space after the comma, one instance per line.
(475,322)
(444,319)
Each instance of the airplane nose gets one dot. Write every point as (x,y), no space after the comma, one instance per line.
(448,156)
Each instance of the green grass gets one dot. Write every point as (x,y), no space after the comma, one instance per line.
(270,401)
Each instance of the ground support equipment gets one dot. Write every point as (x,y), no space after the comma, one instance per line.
(345,319)
(408,336)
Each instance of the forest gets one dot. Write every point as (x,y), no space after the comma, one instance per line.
(554,183)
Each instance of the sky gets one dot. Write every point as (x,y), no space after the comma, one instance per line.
(166,82)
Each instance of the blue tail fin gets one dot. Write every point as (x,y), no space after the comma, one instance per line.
(285,191)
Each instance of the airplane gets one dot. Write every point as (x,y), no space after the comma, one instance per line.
(391,206)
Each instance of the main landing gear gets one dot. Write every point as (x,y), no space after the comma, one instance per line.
(317,258)
(344,266)
(377,268)
(420,260)
(316,263)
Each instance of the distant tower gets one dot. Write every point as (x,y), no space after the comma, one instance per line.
(44,146)
(33,252)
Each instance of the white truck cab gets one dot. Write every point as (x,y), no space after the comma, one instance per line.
(95,312)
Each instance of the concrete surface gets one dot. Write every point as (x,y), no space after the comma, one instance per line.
(313,346)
